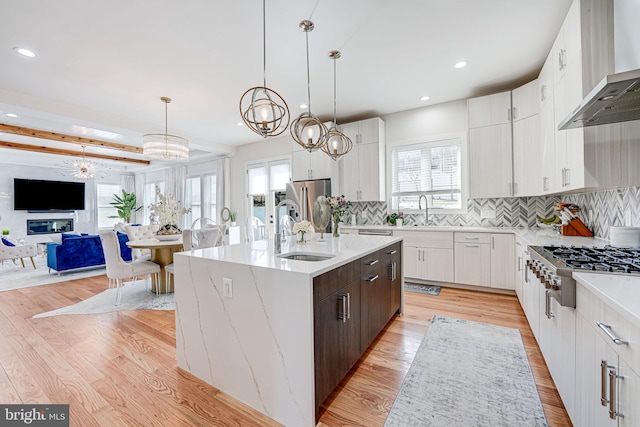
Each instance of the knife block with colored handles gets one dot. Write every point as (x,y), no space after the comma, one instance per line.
(576,228)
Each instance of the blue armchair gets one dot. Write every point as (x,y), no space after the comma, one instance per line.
(81,252)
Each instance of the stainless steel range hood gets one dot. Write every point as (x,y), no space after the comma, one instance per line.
(615,99)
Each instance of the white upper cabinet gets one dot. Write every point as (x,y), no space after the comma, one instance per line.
(527,176)
(307,166)
(490,110)
(362,170)
(490,157)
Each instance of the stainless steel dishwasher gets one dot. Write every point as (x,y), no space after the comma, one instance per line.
(374,232)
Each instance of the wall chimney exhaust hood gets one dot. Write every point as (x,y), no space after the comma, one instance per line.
(615,99)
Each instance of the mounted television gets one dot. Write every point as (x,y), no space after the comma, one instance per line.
(47,196)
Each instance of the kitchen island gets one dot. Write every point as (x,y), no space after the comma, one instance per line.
(276,333)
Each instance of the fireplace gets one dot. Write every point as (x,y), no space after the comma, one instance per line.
(49,226)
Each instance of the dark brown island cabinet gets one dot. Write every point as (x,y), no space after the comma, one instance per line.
(352,304)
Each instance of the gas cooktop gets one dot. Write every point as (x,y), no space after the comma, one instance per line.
(605,259)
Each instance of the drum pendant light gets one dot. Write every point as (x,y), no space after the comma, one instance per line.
(307,130)
(165,147)
(338,144)
(262,109)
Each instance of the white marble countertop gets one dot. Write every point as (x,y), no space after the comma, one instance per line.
(532,236)
(620,292)
(345,249)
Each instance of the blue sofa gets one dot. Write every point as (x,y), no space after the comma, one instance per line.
(81,252)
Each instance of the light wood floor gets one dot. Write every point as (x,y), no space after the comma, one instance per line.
(119,368)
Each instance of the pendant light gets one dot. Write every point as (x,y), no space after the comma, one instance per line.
(338,144)
(165,147)
(307,130)
(84,169)
(262,109)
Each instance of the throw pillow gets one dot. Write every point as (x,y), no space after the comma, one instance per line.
(66,236)
(7,242)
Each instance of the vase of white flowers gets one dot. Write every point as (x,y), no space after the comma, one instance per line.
(303,230)
(167,213)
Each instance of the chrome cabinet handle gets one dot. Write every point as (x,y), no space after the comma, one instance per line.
(372,262)
(471,246)
(493,242)
(343,317)
(603,382)
(607,330)
(390,271)
(509,114)
(348,305)
(392,252)
(515,113)
(371,278)
(548,305)
(519,263)
(471,238)
(613,413)
(395,271)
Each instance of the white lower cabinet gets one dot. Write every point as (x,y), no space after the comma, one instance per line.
(428,255)
(607,387)
(557,342)
(485,259)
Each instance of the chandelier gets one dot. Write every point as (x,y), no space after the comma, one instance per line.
(262,109)
(165,147)
(338,144)
(84,169)
(307,130)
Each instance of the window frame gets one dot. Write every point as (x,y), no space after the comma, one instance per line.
(432,140)
(119,192)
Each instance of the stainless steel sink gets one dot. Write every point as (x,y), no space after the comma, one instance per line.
(305,256)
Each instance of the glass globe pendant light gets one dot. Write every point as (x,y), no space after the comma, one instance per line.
(307,130)
(338,144)
(262,109)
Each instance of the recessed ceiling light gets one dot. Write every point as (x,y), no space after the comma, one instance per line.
(25,52)
(12,115)
(303,106)
(425,98)
(461,64)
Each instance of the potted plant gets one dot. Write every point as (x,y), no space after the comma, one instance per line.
(227,214)
(5,232)
(126,205)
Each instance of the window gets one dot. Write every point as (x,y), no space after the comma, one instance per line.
(150,195)
(201,197)
(433,169)
(266,187)
(105,194)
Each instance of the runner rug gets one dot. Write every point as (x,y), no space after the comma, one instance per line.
(468,374)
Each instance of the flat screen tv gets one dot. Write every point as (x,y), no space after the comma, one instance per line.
(47,196)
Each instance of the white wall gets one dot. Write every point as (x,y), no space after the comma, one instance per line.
(16,221)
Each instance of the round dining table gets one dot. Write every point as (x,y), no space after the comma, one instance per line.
(162,254)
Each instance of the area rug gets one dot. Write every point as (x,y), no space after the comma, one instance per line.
(13,276)
(135,296)
(468,374)
(423,289)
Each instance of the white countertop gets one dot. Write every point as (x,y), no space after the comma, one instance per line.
(345,249)
(620,292)
(532,236)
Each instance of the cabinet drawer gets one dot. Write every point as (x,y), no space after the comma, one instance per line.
(426,239)
(329,282)
(472,237)
(593,309)
(371,264)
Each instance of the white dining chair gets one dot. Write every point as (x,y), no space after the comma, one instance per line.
(210,235)
(118,269)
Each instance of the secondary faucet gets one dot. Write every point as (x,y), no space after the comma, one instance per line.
(426,208)
(277,238)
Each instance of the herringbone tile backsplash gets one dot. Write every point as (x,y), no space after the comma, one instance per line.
(599,211)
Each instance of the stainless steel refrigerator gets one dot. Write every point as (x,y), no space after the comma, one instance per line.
(305,193)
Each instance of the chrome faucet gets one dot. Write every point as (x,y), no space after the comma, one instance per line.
(277,238)
(426,208)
